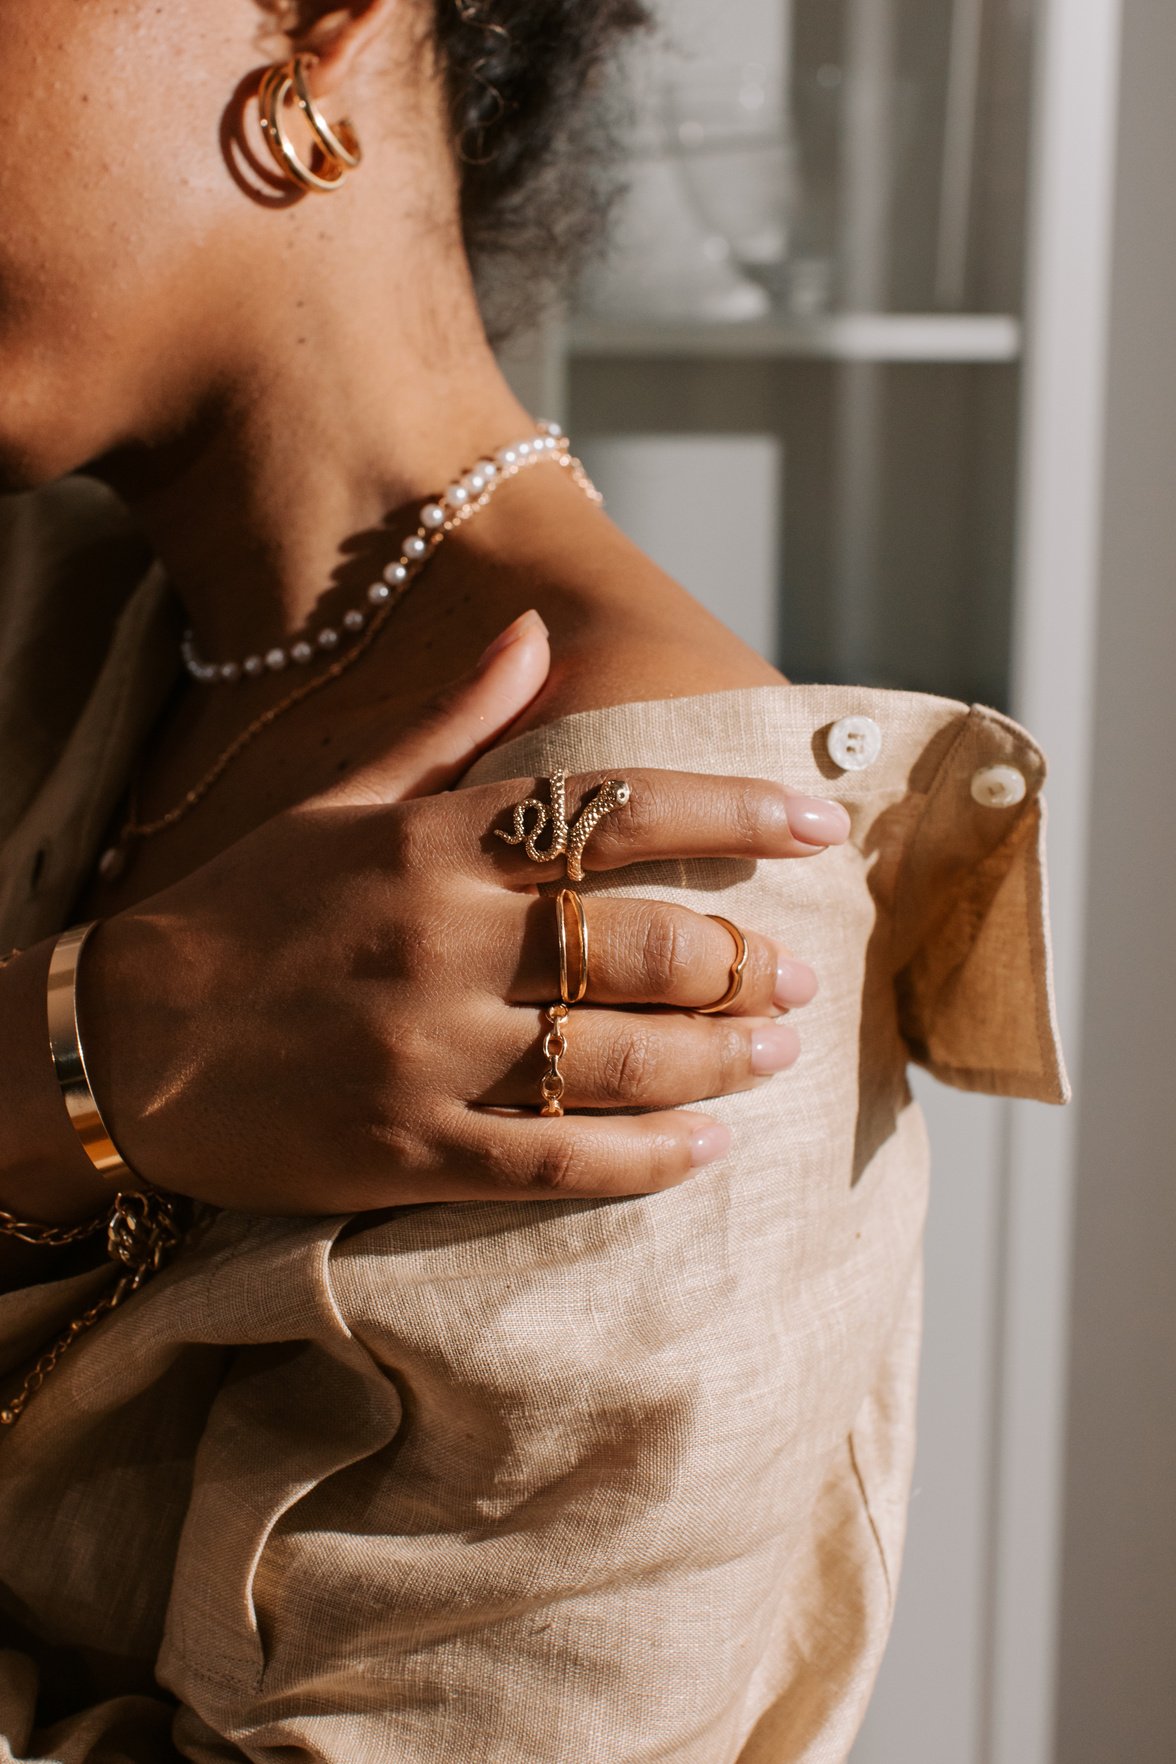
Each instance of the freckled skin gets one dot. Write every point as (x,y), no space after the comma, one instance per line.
(264,381)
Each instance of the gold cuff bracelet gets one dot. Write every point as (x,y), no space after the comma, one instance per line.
(69,1061)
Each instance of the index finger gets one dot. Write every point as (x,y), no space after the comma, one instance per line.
(662,814)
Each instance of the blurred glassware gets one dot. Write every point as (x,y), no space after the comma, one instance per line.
(661,263)
(730,131)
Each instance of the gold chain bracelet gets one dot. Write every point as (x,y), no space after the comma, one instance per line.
(142,1232)
(51,1236)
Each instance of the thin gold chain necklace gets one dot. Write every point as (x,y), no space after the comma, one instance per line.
(414,558)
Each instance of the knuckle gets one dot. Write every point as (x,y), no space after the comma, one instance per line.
(410,839)
(395,1145)
(629,1073)
(745,812)
(637,822)
(666,951)
(666,1161)
(760,980)
(732,1057)
(561,1168)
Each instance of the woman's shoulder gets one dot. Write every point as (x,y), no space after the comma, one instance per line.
(623,630)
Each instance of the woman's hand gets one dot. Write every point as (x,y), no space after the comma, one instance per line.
(344,1010)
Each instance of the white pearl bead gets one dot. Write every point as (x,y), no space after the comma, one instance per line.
(435,518)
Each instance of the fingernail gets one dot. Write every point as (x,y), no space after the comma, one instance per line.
(525,622)
(796,983)
(817,821)
(709,1143)
(773,1049)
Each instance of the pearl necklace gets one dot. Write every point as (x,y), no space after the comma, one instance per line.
(465,496)
(472,490)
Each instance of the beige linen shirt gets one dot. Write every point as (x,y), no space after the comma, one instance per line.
(489,1484)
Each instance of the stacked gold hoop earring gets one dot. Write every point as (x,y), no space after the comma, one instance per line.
(338,143)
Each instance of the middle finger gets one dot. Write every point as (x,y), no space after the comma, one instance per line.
(634,1060)
(653,953)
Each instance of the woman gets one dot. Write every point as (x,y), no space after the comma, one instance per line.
(479,1482)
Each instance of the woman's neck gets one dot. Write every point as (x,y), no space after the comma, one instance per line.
(275,503)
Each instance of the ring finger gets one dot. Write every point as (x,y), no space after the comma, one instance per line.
(636,1060)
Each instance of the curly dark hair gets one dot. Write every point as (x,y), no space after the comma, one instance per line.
(534,120)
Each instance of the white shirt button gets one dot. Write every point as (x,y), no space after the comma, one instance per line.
(999,786)
(854,743)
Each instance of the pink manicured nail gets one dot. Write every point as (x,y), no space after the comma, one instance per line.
(525,622)
(796,984)
(773,1049)
(709,1143)
(817,821)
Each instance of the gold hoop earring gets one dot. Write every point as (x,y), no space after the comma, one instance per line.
(339,145)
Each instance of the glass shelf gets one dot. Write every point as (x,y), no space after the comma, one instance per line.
(848,336)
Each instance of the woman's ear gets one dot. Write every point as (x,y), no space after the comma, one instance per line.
(340,37)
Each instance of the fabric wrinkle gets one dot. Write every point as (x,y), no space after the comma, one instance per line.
(559,1484)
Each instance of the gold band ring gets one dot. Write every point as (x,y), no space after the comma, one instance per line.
(567,897)
(737,966)
(614,793)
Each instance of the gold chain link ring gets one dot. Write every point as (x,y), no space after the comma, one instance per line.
(555,1046)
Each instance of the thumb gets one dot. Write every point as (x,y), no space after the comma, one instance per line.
(464,720)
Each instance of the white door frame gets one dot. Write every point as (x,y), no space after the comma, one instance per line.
(1072,169)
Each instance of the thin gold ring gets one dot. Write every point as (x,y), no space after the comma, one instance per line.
(565,898)
(737,966)
(276,86)
(341,143)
